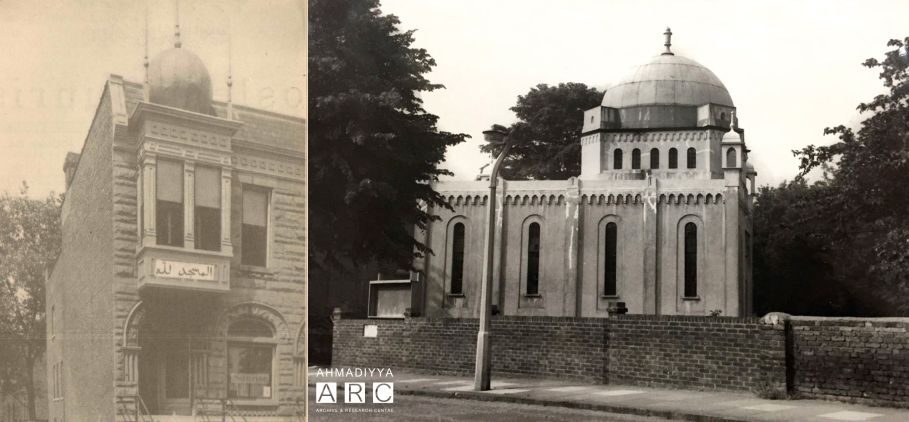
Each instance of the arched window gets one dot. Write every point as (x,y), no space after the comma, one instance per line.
(673,158)
(609,264)
(457,259)
(730,157)
(635,159)
(691,260)
(250,359)
(617,160)
(533,259)
(692,158)
(654,158)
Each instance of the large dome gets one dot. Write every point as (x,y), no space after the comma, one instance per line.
(178,78)
(668,80)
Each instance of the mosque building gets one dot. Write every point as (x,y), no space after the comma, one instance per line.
(180,288)
(660,218)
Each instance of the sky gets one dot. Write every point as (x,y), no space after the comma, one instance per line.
(791,67)
(58,55)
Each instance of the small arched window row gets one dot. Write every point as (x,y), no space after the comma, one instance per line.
(691,159)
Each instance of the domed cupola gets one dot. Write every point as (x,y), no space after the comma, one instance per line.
(178,78)
(670,91)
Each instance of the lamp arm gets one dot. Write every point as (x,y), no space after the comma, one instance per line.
(494,175)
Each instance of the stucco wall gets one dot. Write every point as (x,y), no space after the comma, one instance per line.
(650,215)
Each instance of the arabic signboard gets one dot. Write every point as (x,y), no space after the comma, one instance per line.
(184,270)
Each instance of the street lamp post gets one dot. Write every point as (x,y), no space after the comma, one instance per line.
(496,135)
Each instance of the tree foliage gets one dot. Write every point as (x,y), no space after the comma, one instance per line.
(29,244)
(859,215)
(547,135)
(373,148)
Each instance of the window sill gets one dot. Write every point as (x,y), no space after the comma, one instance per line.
(610,297)
(455,295)
(691,298)
(203,252)
(533,295)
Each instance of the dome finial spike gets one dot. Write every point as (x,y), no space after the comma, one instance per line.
(177,42)
(668,42)
(230,72)
(145,61)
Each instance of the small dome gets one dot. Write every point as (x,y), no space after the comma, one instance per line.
(178,78)
(668,80)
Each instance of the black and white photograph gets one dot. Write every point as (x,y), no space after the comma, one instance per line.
(608,210)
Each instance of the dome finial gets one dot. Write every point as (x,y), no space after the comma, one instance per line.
(145,61)
(177,42)
(230,73)
(668,43)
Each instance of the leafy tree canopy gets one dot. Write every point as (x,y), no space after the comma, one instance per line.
(373,149)
(547,136)
(858,217)
(29,244)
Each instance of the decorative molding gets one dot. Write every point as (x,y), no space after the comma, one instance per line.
(664,198)
(183,135)
(269,167)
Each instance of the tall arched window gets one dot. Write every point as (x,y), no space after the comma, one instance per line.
(692,158)
(250,359)
(533,259)
(673,158)
(730,157)
(617,160)
(635,159)
(691,260)
(609,264)
(457,259)
(654,158)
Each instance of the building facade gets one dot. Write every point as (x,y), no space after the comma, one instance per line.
(180,286)
(659,218)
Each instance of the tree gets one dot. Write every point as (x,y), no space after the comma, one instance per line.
(868,204)
(29,244)
(547,135)
(373,149)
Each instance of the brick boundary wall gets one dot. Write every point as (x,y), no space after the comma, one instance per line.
(692,352)
(533,346)
(860,360)
(697,352)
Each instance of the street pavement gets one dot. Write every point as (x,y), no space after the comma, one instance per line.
(419,396)
(422,408)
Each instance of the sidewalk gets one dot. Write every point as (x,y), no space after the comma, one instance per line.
(643,401)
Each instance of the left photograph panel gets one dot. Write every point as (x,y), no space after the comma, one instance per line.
(152,211)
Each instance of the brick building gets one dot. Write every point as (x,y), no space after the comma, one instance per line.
(180,287)
(659,218)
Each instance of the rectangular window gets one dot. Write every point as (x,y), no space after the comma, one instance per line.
(533,259)
(457,259)
(249,371)
(254,248)
(169,203)
(691,260)
(609,273)
(207,219)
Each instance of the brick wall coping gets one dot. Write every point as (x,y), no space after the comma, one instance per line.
(850,319)
(682,318)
